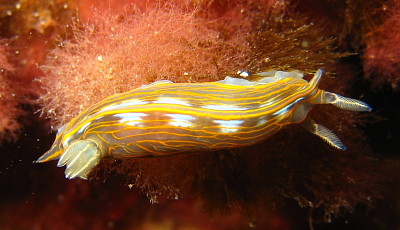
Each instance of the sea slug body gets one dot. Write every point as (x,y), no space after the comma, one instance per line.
(166,118)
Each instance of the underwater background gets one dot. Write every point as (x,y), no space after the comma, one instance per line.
(59,57)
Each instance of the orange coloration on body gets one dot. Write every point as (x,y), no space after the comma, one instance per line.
(166,118)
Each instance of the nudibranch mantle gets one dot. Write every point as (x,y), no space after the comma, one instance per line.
(166,118)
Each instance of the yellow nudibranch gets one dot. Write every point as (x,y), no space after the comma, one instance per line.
(166,118)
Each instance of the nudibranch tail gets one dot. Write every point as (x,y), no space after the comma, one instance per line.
(81,156)
(53,154)
(56,149)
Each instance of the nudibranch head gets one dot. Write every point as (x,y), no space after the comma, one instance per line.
(166,118)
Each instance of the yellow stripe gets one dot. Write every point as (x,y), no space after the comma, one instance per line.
(199,112)
(249,104)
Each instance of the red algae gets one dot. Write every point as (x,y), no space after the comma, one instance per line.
(369,29)
(347,21)
(111,55)
(25,16)
(381,57)
(9,111)
(28,27)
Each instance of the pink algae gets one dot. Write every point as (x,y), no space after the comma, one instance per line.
(381,57)
(9,111)
(112,54)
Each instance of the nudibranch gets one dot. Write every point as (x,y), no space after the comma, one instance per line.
(166,118)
